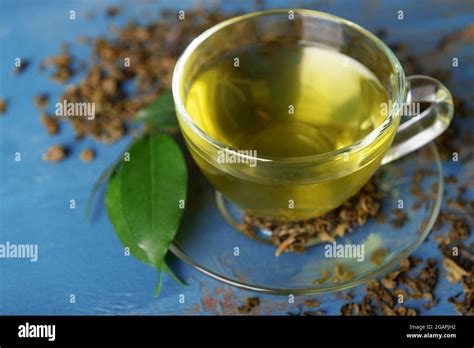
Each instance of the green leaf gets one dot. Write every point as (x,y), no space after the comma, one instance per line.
(161,113)
(152,184)
(160,281)
(113,204)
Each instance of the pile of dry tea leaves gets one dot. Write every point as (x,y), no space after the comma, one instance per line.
(458,258)
(127,70)
(460,268)
(452,229)
(293,236)
(309,308)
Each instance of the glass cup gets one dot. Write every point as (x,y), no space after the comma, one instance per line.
(299,188)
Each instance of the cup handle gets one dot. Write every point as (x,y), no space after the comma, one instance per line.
(425,127)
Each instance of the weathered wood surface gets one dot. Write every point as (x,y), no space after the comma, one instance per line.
(86,259)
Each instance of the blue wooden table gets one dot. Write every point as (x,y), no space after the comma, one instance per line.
(81,268)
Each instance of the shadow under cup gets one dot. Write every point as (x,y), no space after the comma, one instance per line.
(295,188)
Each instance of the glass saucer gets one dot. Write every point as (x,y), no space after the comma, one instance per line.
(208,242)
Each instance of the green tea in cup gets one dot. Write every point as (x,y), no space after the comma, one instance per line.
(286,100)
(287,116)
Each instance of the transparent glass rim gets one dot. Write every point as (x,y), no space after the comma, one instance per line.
(397,68)
(360,279)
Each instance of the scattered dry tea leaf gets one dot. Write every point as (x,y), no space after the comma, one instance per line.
(3,105)
(422,286)
(61,60)
(87,155)
(465,305)
(50,123)
(399,218)
(400,292)
(250,304)
(428,277)
(302,312)
(247,230)
(460,230)
(61,65)
(313,303)
(430,304)
(403,311)
(451,179)
(349,309)
(382,298)
(55,153)
(389,280)
(341,274)
(458,261)
(325,275)
(379,255)
(284,245)
(41,101)
(455,272)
